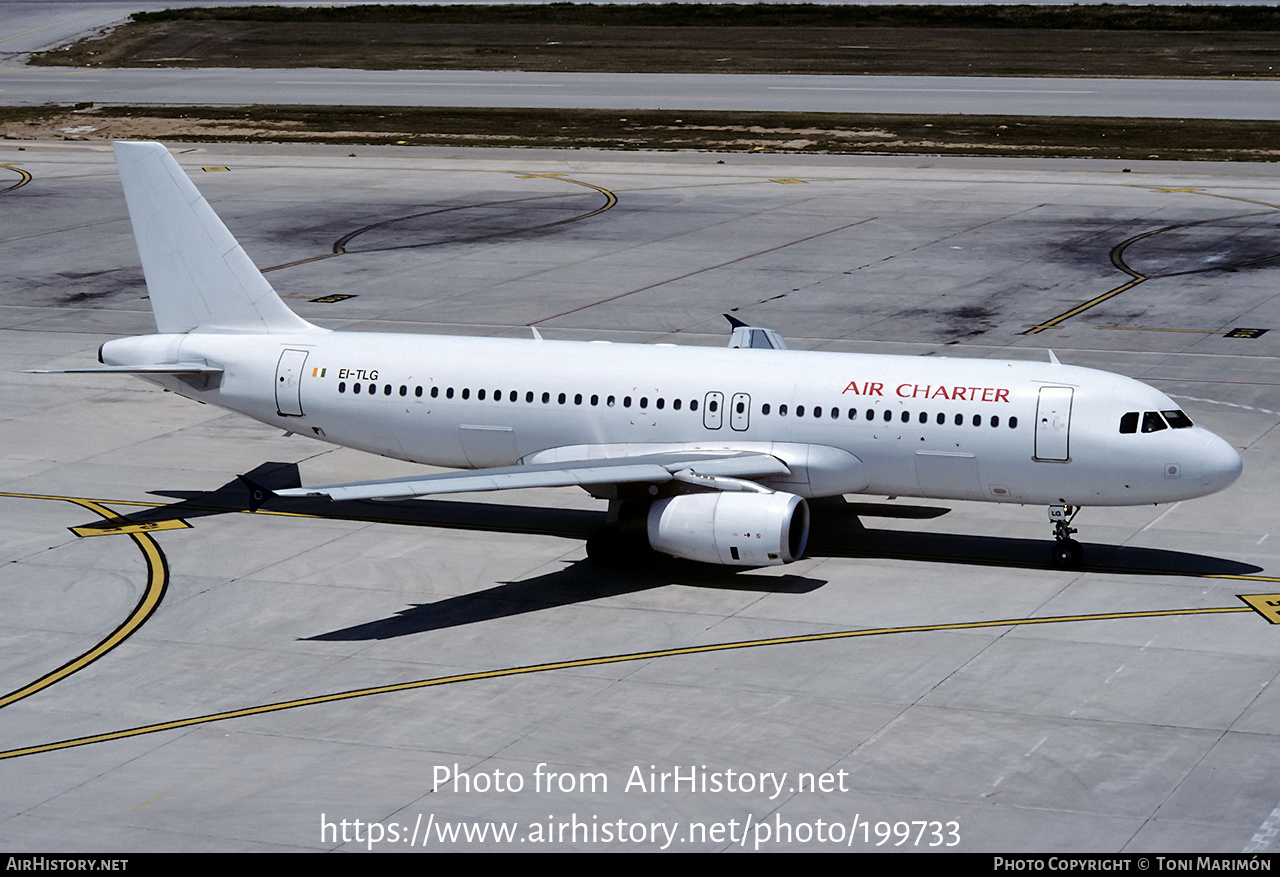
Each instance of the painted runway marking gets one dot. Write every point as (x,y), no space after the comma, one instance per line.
(592,662)
(108,529)
(153,593)
(24,177)
(1266,605)
(1118,260)
(158,577)
(1219,402)
(1266,833)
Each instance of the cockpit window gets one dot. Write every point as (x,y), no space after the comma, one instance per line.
(1129,422)
(1153,422)
(1177,419)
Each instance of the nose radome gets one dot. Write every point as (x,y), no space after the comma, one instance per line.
(1220,465)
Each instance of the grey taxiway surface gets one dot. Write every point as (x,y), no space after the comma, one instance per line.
(1152,98)
(909,664)
(27,27)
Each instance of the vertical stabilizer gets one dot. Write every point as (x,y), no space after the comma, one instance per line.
(199,278)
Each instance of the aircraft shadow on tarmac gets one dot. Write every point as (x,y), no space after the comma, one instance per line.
(577,582)
(837,530)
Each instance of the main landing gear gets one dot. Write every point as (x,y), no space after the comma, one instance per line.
(1067,552)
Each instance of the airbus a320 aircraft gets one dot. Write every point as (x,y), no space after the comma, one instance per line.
(704,454)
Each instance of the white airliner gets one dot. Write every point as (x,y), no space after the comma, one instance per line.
(705,454)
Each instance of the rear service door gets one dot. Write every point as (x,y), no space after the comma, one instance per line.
(289,382)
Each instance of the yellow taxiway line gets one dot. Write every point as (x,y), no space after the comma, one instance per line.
(1267,605)
(157,582)
(592,662)
(24,177)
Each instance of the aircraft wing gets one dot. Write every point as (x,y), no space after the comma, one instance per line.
(693,466)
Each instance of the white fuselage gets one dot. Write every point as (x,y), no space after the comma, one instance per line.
(995,431)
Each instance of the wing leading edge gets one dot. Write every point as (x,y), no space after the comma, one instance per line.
(720,471)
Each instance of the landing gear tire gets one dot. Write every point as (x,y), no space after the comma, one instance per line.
(1067,553)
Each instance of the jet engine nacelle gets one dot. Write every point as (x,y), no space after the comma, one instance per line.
(735,529)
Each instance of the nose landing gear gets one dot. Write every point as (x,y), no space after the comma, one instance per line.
(1067,552)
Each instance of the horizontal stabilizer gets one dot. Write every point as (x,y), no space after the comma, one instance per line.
(172,368)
